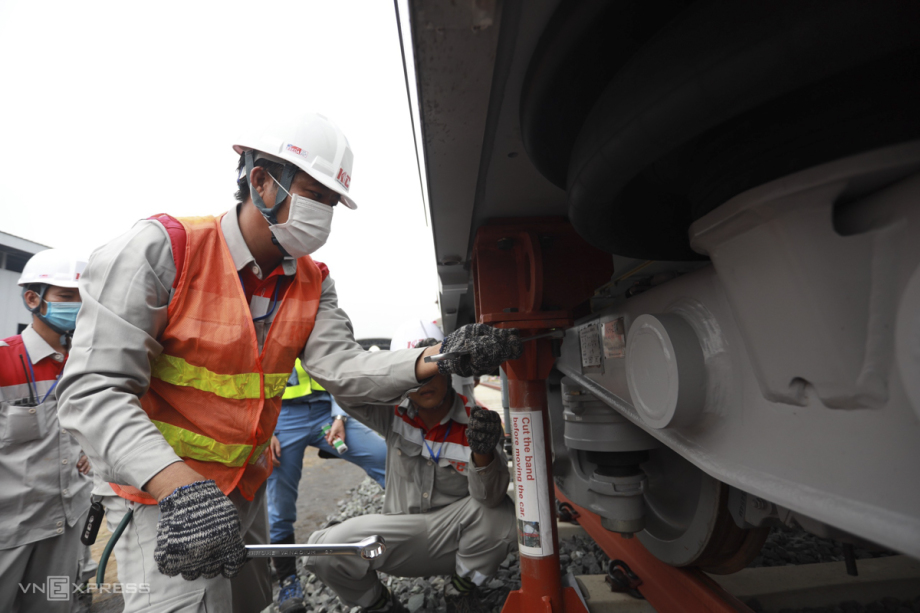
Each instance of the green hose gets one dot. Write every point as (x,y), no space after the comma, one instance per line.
(100,572)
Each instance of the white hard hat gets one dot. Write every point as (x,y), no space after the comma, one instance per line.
(409,333)
(312,143)
(53,267)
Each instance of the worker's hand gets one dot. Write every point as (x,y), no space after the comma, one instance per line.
(336,431)
(170,479)
(484,430)
(276,451)
(486,347)
(83,464)
(198,534)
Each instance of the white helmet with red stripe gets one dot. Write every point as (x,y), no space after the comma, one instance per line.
(312,143)
(53,267)
(409,333)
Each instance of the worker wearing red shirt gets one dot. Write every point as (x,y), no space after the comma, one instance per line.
(44,490)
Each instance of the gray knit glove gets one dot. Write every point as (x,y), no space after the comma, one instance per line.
(487,347)
(198,534)
(484,430)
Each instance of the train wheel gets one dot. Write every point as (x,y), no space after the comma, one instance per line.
(730,548)
(687,519)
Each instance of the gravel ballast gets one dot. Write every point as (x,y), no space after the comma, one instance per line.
(787,547)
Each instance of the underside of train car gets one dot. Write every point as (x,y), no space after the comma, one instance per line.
(719,202)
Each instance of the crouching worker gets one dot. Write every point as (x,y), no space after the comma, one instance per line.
(446,510)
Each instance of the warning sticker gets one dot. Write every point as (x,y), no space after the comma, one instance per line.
(614,338)
(590,345)
(531,488)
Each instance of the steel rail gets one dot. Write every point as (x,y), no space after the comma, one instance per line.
(667,588)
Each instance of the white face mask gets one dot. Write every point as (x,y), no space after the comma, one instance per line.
(307,227)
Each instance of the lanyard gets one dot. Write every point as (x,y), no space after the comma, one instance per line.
(274,297)
(34,388)
(441,448)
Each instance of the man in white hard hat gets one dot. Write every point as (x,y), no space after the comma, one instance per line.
(44,490)
(446,510)
(188,333)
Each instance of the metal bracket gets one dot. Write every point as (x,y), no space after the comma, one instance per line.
(621,578)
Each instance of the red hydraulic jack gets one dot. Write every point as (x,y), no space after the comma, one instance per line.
(535,274)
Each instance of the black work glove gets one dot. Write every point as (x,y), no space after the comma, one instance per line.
(198,534)
(484,430)
(487,347)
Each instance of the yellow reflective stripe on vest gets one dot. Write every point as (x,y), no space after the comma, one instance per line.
(306,384)
(176,371)
(275,383)
(199,447)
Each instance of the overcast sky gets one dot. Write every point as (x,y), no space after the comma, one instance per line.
(115,111)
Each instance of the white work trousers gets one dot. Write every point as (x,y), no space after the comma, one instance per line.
(464,537)
(146,589)
(40,576)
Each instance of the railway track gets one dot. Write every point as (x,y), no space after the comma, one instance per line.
(891,583)
(665,587)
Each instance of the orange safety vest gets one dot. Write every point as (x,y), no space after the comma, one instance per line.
(212,395)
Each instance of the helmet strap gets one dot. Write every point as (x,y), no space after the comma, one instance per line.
(37,311)
(41,298)
(287,178)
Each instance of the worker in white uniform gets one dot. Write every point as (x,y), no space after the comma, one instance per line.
(446,509)
(305,409)
(44,490)
(188,333)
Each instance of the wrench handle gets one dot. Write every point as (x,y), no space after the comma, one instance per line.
(445,356)
(369,548)
(293,551)
(550,334)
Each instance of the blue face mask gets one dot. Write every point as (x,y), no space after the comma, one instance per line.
(61,316)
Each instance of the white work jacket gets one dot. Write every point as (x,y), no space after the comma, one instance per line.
(41,491)
(126,290)
(430,469)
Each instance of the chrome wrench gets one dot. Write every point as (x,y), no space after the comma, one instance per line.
(369,548)
(557,333)
(456,354)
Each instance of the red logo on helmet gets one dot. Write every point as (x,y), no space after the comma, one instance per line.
(297,150)
(343,177)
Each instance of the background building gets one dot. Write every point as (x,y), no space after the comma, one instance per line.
(14,253)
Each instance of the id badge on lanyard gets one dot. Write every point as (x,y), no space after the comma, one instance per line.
(33,382)
(259,305)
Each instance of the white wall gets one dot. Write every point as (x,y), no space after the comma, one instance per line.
(12,311)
